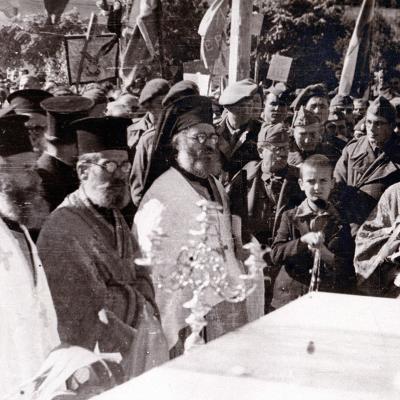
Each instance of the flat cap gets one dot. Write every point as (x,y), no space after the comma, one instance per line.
(316,90)
(238,91)
(27,100)
(381,107)
(14,136)
(303,117)
(179,90)
(153,88)
(336,116)
(100,134)
(61,111)
(273,134)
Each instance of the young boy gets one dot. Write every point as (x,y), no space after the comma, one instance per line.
(315,223)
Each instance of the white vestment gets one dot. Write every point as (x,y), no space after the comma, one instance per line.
(28,319)
(180,200)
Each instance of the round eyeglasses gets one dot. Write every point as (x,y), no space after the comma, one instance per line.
(204,137)
(112,166)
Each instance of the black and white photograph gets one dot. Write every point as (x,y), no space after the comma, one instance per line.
(200,199)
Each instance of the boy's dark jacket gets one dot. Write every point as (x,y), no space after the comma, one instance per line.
(297,259)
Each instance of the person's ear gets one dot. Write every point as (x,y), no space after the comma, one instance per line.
(260,152)
(301,184)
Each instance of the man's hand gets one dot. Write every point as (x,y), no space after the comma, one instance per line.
(313,239)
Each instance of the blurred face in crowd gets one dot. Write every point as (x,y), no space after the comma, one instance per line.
(337,128)
(308,137)
(104,178)
(316,183)
(395,84)
(29,82)
(242,109)
(348,113)
(275,110)
(37,126)
(378,129)
(197,150)
(359,111)
(21,200)
(274,156)
(320,107)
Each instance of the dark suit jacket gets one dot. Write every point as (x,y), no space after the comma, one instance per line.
(58,179)
(244,191)
(290,252)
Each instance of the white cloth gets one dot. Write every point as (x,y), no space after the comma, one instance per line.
(180,200)
(28,319)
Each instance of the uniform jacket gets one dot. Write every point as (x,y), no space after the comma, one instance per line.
(362,177)
(136,130)
(244,195)
(236,156)
(90,267)
(288,250)
(296,156)
(58,179)
(179,199)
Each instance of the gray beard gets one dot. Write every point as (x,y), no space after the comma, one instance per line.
(199,167)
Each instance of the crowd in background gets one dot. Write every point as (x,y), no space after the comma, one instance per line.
(307,173)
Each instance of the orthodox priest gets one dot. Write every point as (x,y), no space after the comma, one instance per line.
(28,318)
(88,251)
(187,130)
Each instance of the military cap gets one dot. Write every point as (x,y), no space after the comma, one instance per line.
(14,136)
(303,117)
(280,90)
(27,100)
(179,90)
(341,101)
(153,88)
(381,107)
(238,91)
(317,90)
(273,134)
(61,111)
(100,134)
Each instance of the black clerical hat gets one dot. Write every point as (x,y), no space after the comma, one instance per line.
(61,111)
(27,100)
(103,133)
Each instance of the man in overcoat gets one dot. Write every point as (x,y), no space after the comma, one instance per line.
(370,164)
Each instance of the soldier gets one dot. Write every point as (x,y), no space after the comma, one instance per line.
(307,139)
(314,98)
(344,104)
(369,164)
(56,166)
(276,104)
(238,130)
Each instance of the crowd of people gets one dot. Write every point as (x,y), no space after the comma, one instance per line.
(307,173)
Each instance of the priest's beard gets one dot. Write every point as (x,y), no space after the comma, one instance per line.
(25,206)
(112,194)
(201,162)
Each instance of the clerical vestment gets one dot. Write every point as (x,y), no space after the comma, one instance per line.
(97,288)
(28,319)
(180,199)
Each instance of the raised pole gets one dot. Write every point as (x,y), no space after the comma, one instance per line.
(240,41)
